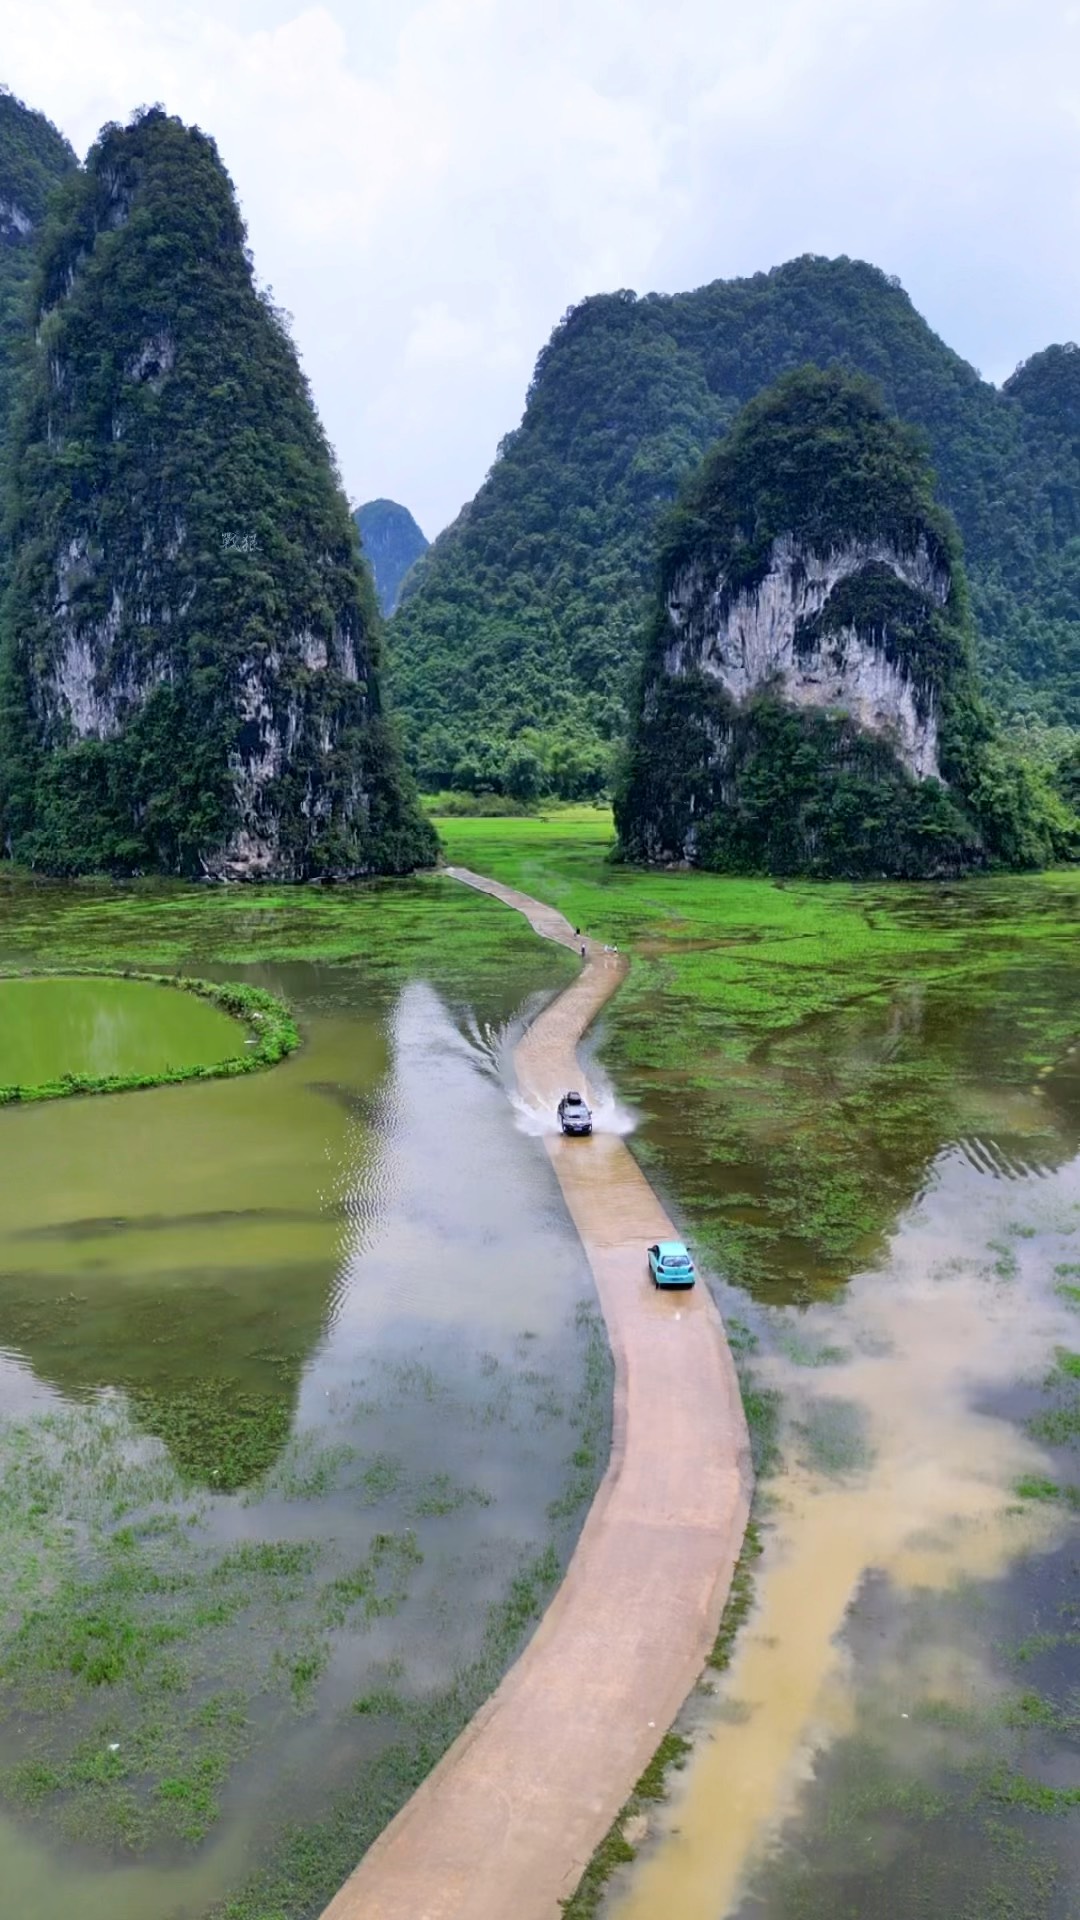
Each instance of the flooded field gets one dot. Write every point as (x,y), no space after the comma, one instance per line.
(864,1104)
(304,1395)
(302,1399)
(103,1027)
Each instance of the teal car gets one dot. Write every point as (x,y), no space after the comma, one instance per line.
(670,1264)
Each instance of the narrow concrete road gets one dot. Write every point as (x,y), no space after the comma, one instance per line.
(504,1826)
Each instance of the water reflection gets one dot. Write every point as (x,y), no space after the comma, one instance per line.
(796,1162)
(344,1295)
(180,1244)
(901,1460)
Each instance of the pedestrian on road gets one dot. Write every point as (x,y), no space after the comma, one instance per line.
(583,949)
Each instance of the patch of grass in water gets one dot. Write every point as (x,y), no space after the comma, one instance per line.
(591,1419)
(377,1586)
(803,1353)
(1035,1487)
(382,1701)
(313,1861)
(1006,1266)
(834,1438)
(220,1434)
(443,1495)
(303,1669)
(311,1473)
(1034,1710)
(1031,1796)
(97,1789)
(1059,1426)
(382,1477)
(189,1801)
(126,1634)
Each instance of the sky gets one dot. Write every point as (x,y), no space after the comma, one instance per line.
(429,184)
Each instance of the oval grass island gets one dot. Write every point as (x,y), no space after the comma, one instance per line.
(96,1031)
(507,1822)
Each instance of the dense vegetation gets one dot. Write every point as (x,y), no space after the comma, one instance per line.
(761,784)
(33,158)
(392,541)
(189,644)
(1048,388)
(514,648)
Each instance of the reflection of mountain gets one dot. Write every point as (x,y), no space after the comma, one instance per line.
(797,1165)
(182,1245)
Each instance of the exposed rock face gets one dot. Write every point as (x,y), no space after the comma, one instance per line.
(808,703)
(15,222)
(189,647)
(392,542)
(758,640)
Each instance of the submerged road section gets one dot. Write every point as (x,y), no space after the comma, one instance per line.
(505,1825)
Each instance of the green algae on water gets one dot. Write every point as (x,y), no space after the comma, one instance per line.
(86,1033)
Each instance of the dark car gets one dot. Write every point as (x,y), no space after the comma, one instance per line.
(574,1115)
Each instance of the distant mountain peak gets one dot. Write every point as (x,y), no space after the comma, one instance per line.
(392,543)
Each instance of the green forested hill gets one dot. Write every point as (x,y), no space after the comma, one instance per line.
(513,649)
(392,541)
(33,158)
(1048,388)
(189,643)
(808,702)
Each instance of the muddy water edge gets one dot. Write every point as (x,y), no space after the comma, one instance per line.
(303,1398)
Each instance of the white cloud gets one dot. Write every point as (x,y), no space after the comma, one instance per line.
(429,185)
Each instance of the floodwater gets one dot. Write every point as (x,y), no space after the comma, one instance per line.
(298,1378)
(100,1027)
(898,1733)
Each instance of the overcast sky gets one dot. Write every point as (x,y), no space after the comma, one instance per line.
(428,184)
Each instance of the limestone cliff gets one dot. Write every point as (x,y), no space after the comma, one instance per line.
(789,635)
(808,702)
(189,646)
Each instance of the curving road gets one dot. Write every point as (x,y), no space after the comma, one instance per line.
(504,1826)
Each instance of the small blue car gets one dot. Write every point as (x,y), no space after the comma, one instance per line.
(670,1264)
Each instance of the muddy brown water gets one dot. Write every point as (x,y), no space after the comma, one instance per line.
(911,1655)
